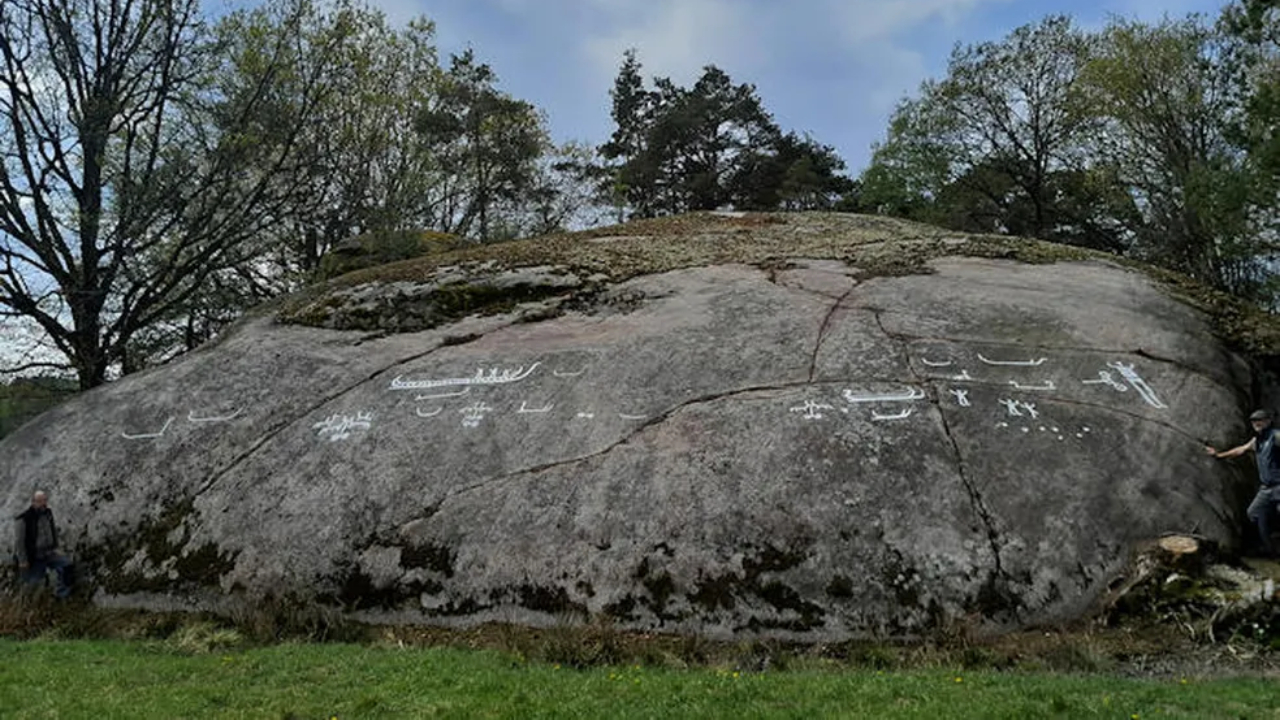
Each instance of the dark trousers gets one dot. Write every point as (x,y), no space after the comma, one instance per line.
(61,567)
(1262,512)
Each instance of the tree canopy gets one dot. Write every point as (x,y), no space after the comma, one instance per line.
(712,145)
(1156,140)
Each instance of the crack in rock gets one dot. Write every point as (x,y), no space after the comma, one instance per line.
(822,330)
(290,422)
(975,496)
(631,434)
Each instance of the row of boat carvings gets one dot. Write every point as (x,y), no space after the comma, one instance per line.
(341,426)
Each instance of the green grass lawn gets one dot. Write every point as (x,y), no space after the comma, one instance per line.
(119,679)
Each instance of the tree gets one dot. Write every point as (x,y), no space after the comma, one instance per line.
(1254,26)
(564,193)
(677,149)
(634,177)
(367,168)
(486,140)
(997,135)
(126,182)
(796,174)
(1166,99)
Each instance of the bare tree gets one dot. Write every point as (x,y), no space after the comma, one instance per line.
(125,181)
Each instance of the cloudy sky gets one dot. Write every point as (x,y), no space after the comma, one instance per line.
(834,68)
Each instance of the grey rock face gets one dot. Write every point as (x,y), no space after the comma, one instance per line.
(714,450)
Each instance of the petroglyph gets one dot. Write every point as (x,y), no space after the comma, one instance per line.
(148,436)
(812,410)
(340,427)
(474,413)
(494,377)
(1047,385)
(438,396)
(191,417)
(1128,373)
(1013,363)
(909,395)
(877,417)
(1016,408)
(1104,378)
(962,397)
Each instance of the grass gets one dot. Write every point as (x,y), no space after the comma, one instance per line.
(107,679)
(81,661)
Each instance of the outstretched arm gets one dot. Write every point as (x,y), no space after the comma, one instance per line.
(1233,452)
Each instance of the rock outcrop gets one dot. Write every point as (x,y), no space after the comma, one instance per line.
(810,426)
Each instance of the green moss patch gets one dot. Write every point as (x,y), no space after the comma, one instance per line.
(876,246)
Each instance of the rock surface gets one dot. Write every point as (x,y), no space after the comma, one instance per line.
(799,448)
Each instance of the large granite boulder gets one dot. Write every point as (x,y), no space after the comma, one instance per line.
(783,426)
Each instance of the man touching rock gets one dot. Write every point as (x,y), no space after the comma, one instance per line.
(1263,444)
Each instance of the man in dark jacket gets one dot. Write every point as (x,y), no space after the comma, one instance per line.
(1263,445)
(36,545)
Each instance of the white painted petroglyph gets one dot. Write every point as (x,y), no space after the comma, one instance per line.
(1104,378)
(439,396)
(1013,363)
(437,411)
(191,417)
(962,397)
(494,377)
(585,416)
(474,413)
(930,363)
(909,395)
(525,409)
(1128,373)
(624,416)
(1017,407)
(147,436)
(964,376)
(1047,385)
(877,417)
(340,427)
(812,410)
(562,374)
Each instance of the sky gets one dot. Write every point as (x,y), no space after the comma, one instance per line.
(833,68)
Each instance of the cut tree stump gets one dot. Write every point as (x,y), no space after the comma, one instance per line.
(1181,553)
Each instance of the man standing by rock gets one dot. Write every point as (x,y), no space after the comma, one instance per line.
(36,545)
(1263,443)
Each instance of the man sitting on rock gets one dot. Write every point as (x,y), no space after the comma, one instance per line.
(1268,456)
(36,545)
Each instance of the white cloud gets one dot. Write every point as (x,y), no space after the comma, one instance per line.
(674,38)
(881,20)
